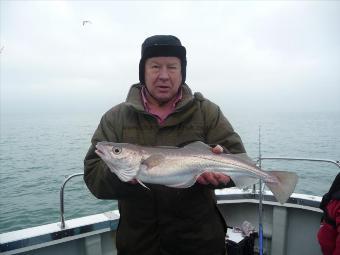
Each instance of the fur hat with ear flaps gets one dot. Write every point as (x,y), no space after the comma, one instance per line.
(162,46)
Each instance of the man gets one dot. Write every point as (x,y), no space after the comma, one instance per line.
(162,111)
(329,232)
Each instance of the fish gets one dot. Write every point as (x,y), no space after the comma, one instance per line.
(179,167)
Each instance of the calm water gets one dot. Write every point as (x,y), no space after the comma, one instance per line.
(37,152)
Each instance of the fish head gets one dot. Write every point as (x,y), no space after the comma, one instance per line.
(122,159)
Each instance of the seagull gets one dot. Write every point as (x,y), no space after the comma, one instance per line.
(86,21)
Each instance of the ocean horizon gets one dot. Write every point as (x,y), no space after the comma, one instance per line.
(37,152)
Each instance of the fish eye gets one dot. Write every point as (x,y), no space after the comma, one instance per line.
(116,150)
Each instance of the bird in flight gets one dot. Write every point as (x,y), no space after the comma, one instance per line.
(86,22)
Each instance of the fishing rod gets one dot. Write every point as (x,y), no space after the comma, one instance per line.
(260,200)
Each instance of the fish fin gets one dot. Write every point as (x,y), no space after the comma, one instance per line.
(285,185)
(141,183)
(153,160)
(198,146)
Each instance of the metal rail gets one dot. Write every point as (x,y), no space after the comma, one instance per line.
(62,219)
(335,162)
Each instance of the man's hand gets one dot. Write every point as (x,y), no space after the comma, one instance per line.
(211,177)
(133,181)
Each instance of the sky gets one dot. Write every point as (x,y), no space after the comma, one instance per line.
(246,56)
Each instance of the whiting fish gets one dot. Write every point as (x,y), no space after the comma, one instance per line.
(179,167)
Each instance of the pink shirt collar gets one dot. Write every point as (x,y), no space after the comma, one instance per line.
(161,115)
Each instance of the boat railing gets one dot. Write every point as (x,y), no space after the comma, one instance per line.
(260,159)
(62,218)
(335,162)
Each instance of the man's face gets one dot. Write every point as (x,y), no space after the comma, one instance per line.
(163,78)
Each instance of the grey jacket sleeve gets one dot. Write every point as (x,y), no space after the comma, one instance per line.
(219,130)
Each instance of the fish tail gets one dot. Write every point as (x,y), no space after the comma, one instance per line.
(284,186)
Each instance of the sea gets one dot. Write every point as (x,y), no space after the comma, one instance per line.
(37,153)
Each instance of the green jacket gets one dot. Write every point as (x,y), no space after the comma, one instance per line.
(162,220)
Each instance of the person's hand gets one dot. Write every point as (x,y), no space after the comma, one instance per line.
(211,177)
(133,181)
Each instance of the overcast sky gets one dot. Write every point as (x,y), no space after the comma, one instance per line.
(243,55)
